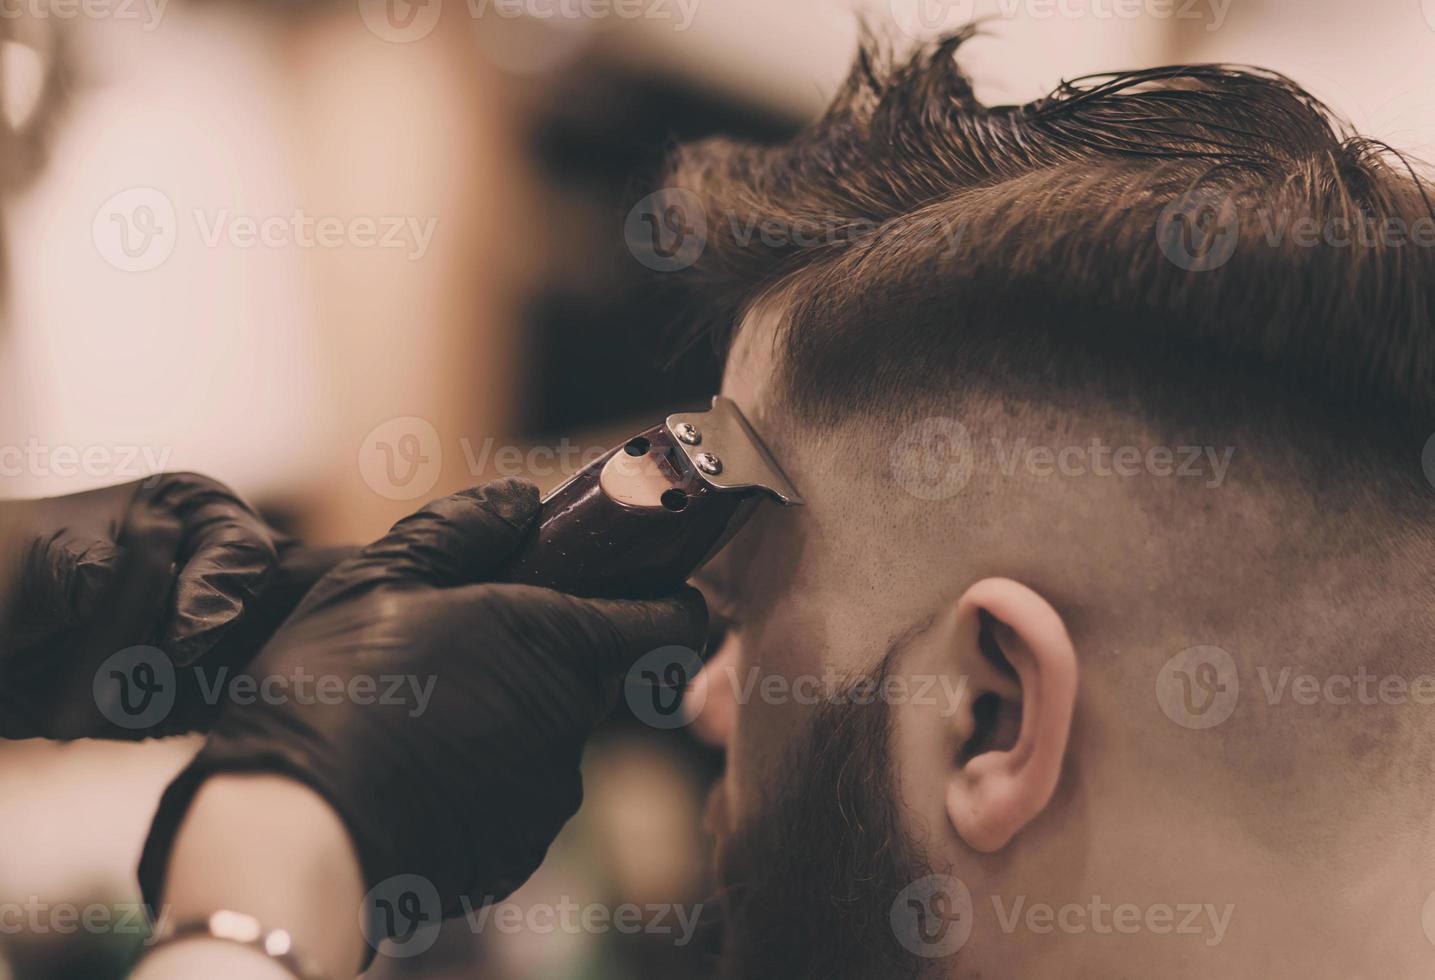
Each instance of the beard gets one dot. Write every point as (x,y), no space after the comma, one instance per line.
(807,887)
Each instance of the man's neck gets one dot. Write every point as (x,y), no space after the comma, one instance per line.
(1191,899)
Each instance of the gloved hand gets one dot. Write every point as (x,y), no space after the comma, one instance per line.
(467,771)
(176,561)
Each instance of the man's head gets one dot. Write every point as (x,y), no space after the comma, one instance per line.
(1108,412)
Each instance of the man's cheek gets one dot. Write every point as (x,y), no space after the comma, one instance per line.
(764,689)
(711,701)
(767,724)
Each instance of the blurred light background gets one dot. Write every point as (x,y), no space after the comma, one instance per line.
(346,256)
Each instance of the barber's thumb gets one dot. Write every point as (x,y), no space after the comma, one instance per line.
(456,540)
(621,631)
(65,578)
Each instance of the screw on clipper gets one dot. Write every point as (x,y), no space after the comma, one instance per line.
(708,463)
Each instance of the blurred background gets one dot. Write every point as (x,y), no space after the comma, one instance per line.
(347,256)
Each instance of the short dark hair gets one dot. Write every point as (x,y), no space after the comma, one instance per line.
(1031,247)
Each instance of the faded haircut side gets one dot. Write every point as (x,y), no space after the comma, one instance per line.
(1204,244)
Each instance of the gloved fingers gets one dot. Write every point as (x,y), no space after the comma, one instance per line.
(300,568)
(609,634)
(227,557)
(64,577)
(132,604)
(455,540)
(630,628)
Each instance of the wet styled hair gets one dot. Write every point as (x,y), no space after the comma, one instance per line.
(1205,239)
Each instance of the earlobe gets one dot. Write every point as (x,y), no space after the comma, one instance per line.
(1015,650)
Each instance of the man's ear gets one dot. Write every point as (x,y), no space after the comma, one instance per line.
(1011,732)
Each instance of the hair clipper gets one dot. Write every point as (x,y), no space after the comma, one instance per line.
(637,522)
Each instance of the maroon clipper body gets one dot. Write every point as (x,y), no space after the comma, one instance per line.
(637,522)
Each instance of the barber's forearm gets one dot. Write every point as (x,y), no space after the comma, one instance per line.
(272,849)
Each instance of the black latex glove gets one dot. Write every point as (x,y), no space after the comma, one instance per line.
(175,561)
(469,792)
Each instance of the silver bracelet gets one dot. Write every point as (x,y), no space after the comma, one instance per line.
(242,930)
